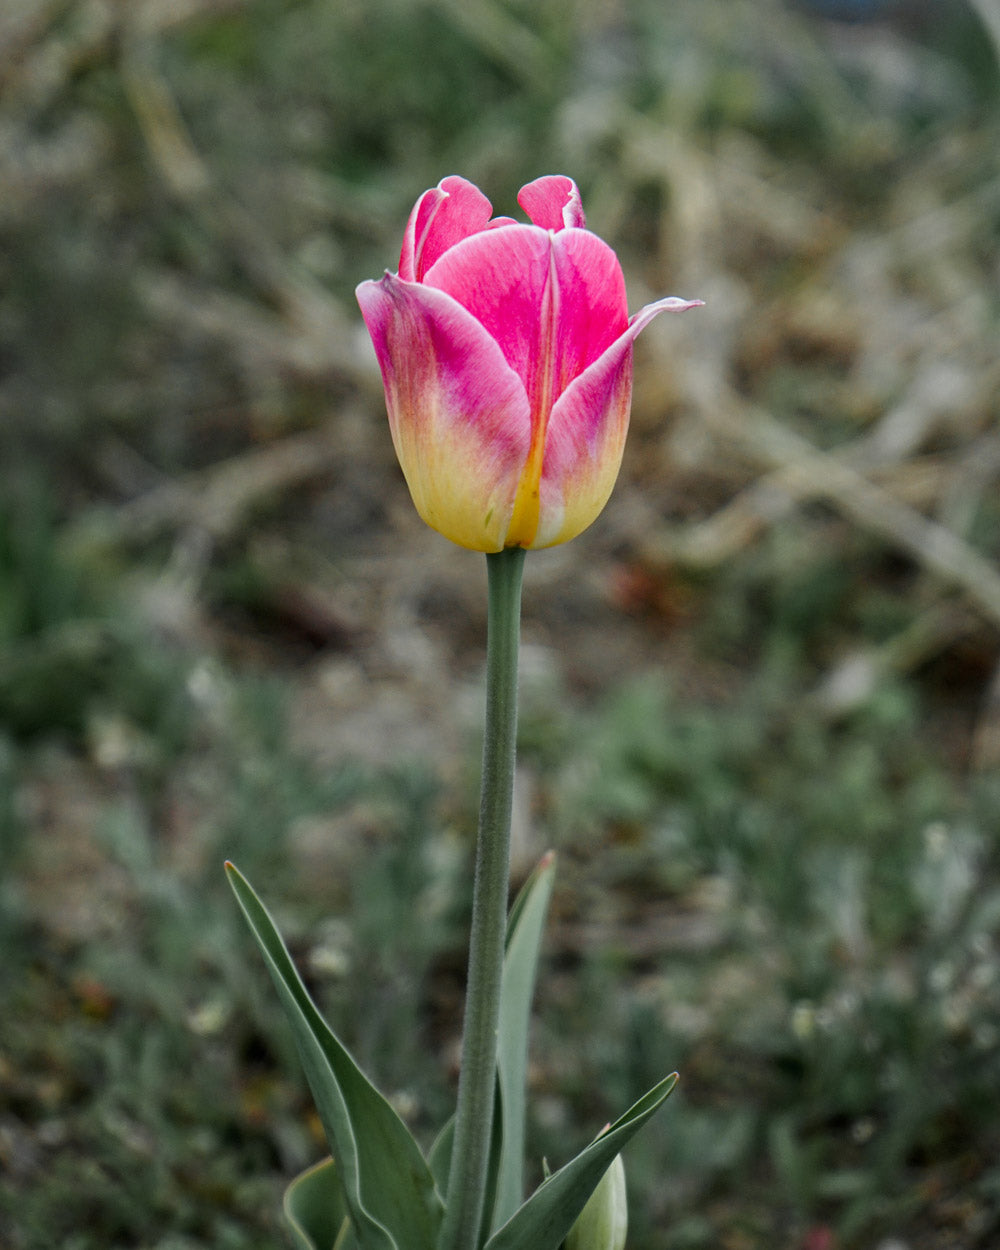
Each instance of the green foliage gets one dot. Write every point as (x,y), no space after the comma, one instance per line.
(387,1187)
(99,1029)
(315,1209)
(549,1214)
(834,1010)
(377,1189)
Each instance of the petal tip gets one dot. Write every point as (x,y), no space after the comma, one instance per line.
(553,202)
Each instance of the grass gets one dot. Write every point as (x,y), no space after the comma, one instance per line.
(813,916)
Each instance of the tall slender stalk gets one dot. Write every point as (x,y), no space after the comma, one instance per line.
(477,1079)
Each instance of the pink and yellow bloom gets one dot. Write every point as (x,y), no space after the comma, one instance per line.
(506,353)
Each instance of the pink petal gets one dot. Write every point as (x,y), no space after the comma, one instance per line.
(459,415)
(671,303)
(553,302)
(593,306)
(451,211)
(553,202)
(586,435)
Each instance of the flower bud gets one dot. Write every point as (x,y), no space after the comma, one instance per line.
(506,354)
(603,1222)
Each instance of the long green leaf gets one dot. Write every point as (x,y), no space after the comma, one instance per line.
(439,1156)
(524,936)
(544,1220)
(524,931)
(315,1208)
(387,1186)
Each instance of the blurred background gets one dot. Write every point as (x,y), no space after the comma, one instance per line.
(761,695)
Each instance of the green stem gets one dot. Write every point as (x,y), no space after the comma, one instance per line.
(477,1078)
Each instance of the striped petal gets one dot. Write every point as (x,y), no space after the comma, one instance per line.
(586,435)
(553,302)
(458,413)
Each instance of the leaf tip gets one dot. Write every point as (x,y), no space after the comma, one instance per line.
(233,874)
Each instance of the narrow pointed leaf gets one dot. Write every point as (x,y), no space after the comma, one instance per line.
(543,874)
(493,1171)
(524,936)
(524,930)
(544,1220)
(315,1209)
(345,1238)
(387,1186)
(439,1158)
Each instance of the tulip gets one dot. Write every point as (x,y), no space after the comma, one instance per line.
(506,354)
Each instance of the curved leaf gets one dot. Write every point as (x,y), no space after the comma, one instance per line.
(439,1156)
(524,933)
(544,1220)
(315,1209)
(524,936)
(387,1186)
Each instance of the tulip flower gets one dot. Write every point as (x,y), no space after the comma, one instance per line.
(506,353)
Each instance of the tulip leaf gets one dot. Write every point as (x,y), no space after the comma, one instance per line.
(316,1211)
(493,1171)
(439,1158)
(524,933)
(524,936)
(386,1185)
(544,1220)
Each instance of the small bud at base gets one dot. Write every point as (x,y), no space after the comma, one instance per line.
(603,1222)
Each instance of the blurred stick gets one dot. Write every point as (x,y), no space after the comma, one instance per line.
(39,55)
(805,470)
(854,678)
(216,500)
(955,487)
(309,311)
(40,52)
(267,337)
(775,496)
(22,23)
